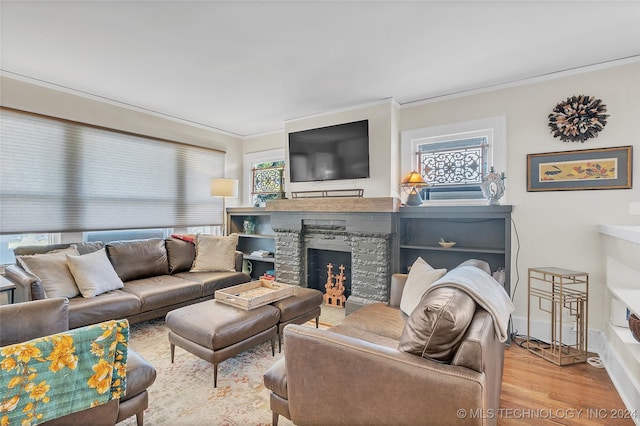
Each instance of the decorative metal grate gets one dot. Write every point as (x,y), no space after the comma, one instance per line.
(268,181)
(457,166)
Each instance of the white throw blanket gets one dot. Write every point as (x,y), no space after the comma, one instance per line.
(486,291)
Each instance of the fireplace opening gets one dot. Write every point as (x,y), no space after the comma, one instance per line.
(317,268)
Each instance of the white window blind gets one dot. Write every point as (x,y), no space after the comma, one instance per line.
(63,176)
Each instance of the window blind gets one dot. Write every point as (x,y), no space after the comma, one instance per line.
(63,176)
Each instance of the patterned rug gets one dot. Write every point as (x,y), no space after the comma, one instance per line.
(183,393)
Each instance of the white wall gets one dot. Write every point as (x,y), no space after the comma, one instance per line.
(556,228)
(383,145)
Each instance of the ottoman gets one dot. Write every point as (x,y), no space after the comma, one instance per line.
(303,306)
(215,332)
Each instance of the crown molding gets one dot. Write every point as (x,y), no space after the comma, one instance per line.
(523,82)
(113,102)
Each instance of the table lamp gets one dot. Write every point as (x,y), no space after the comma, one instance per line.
(223,187)
(410,183)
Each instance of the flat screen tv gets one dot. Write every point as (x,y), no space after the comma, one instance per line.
(330,153)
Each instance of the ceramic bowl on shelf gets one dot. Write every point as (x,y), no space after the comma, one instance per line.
(447,244)
(634,325)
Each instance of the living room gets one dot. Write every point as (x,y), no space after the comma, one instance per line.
(550,228)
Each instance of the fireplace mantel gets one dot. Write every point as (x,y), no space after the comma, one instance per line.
(336,204)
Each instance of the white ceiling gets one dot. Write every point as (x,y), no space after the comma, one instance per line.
(245,67)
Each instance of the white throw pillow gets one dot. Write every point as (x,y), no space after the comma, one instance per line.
(214,253)
(421,276)
(52,270)
(93,273)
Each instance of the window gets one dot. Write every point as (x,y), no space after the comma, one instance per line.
(63,176)
(10,241)
(268,182)
(454,158)
(252,160)
(125,234)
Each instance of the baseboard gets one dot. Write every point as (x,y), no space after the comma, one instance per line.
(622,380)
(542,330)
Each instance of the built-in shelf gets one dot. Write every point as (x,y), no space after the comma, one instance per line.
(625,336)
(622,352)
(458,249)
(256,236)
(628,296)
(262,239)
(259,258)
(481,232)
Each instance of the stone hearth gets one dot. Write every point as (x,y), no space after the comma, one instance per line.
(368,235)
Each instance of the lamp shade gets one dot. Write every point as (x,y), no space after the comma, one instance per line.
(222,187)
(413,180)
(410,182)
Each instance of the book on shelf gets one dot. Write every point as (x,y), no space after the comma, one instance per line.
(260,253)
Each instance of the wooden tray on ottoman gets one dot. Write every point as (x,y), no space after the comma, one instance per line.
(254,294)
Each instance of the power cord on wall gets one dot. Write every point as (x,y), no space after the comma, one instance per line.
(519,340)
(515,231)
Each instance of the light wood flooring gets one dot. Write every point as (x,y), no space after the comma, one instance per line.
(538,392)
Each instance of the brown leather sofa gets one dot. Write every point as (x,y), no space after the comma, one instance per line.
(156,280)
(354,373)
(26,321)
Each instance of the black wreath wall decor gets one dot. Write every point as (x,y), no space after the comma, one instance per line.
(578,118)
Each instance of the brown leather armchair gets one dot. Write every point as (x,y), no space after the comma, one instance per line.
(354,373)
(39,318)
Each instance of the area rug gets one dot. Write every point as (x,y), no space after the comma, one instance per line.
(183,393)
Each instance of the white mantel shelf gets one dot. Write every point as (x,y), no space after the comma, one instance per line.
(629,233)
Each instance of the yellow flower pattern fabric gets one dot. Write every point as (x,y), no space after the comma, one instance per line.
(56,375)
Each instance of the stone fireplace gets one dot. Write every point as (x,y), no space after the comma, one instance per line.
(307,234)
(318,263)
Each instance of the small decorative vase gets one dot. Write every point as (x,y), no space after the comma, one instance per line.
(249,227)
(493,187)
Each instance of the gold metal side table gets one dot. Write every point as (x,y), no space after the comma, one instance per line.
(558,292)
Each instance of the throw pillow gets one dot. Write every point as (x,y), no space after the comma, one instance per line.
(421,276)
(181,254)
(52,270)
(93,273)
(480,264)
(214,253)
(191,238)
(437,325)
(136,259)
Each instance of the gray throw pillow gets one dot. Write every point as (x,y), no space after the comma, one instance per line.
(52,270)
(93,273)
(480,264)
(437,325)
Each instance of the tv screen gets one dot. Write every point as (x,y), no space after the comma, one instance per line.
(330,153)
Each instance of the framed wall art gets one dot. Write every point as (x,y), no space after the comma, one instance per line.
(604,168)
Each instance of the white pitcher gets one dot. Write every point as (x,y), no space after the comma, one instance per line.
(247,267)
